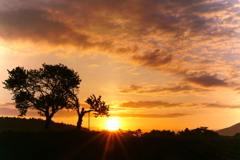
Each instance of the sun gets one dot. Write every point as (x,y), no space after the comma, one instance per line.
(112,124)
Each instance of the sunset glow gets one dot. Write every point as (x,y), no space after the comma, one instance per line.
(112,124)
(167,64)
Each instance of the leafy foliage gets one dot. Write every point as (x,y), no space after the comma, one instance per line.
(98,106)
(48,89)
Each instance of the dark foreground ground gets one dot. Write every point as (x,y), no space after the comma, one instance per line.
(84,145)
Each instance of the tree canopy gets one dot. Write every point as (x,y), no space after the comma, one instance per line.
(97,105)
(47,89)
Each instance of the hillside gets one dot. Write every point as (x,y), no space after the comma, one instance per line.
(32,124)
(96,145)
(230,131)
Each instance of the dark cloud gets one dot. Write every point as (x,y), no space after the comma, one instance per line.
(207,80)
(61,21)
(152,32)
(168,115)
(149,104)
(153,59)
(31,24)
(39,26)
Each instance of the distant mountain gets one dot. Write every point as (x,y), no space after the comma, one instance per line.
(230,131)
(32,124)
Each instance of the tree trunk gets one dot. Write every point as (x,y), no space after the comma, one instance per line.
(79,123)
(48,122)
(80,118)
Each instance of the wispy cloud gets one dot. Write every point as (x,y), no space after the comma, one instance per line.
(149,104)
(93,65)
(168,115)
(170,89)
(220,105)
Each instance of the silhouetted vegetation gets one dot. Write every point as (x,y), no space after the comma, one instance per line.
(96,105)
(31,124)
(237,135)
(159,134)
(24,140)
(201,132)
(136,133)
(85,145)
(48,89)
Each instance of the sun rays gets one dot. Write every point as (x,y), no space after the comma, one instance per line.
(112,124)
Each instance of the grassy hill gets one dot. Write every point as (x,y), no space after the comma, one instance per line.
(32,124)
(85,145)
(230,131)
(25,139)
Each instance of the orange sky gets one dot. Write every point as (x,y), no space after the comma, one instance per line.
(159,64)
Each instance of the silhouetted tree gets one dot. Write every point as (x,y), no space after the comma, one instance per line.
(237,135)
(201,132)
(48,89)
(138,133)
(159,134)
(96,105)
(130,133)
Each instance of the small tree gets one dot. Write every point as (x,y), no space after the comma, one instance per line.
(48,89)
(96,105)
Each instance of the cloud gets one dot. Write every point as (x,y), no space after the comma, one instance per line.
(93,65)
(5,111)
(153,59)
(168,115)
(32,24)
(149,104)
(39,26)
(186,89)
(130,89)
(153,34)
(207,80)
(8,111)
(237,89)
(220,105)
(162,104)
(7,104)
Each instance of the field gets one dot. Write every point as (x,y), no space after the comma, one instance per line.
(85,145)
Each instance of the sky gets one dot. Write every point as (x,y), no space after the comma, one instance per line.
(159,64)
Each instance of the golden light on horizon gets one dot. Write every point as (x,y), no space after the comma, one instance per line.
(112,124)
